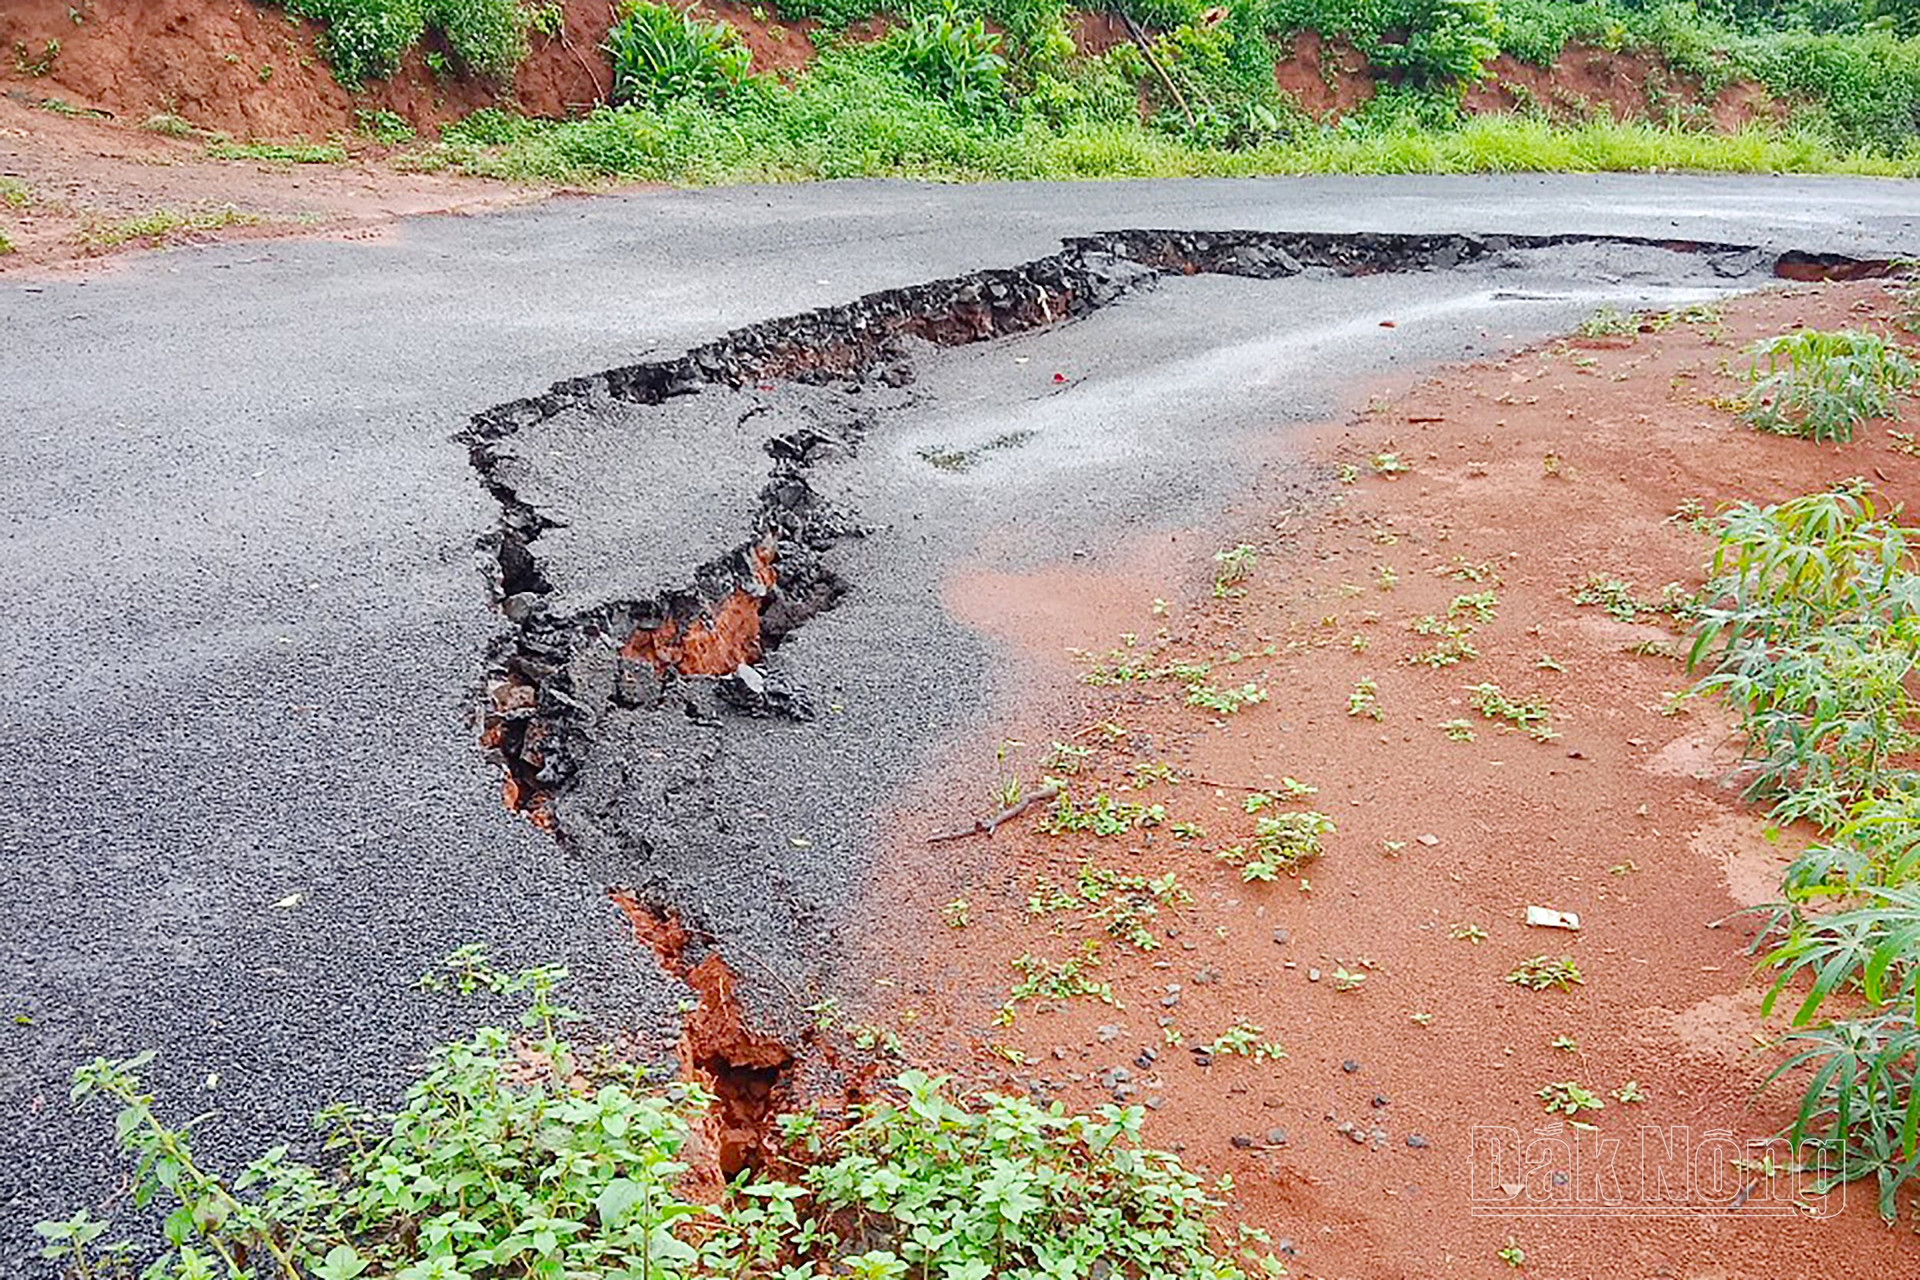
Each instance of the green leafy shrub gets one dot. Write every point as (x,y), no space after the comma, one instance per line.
(1822,384)
(1431,41)
(1444,40)
(956,59)
(1814,634)
(1015,1190)
(1811,631)
(661,54)
(365,39)
(522,1155)
(488,127)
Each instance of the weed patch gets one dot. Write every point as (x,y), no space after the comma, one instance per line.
(157,226)
(524,1154)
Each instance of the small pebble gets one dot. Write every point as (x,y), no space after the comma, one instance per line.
(1242,1141)
(1379,1099)
(1280,937)
(1350,1066)
(1107,1032)
(1276,1137)
(1313,975)
(1415,1141)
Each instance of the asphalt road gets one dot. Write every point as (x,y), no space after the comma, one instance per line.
(246,615)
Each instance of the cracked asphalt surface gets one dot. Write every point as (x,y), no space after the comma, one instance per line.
(248,618)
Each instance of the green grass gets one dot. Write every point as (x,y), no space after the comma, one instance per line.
(6,245)
(159,224)
(855,117)
(280,152)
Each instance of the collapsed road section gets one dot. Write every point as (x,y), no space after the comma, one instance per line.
(676,697)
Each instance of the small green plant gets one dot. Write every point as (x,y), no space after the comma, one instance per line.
(1569,1097)
(1231,568)
(1512,1254)
(1221,701)
(28,63)
(1451,647)
(1465,570)
(1102,815)
(385,127)
(1537,973)
(6,245)
(1283,842)
(1611,594)
(1236,1041)
(1467,933)
(1564,1043)
(1065,758)
(1065,980)
(1821,385)
(1457,730)
(958,913)
(661,54)
(1530,716)
(1481,604)
(1289,788)
(1691,513)
(1610,322)
(1364,700)
(1630,1092)
(1389,465)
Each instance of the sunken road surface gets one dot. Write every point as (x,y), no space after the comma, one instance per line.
(273,556)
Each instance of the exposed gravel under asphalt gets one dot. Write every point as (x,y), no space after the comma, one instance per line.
(247,620)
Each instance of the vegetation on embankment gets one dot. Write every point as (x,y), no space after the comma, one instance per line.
(1037,89)
(731,90)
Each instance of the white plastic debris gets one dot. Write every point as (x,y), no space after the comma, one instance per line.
(1548,918)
